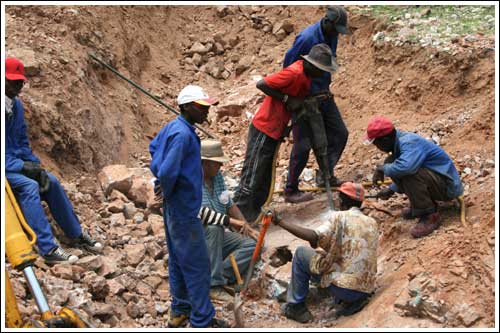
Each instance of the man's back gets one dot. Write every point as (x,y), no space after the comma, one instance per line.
(356,266)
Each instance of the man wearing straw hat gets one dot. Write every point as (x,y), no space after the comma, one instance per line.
(285,92)
(217,213)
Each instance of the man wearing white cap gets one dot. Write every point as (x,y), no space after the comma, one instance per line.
(176,163)
(218,212)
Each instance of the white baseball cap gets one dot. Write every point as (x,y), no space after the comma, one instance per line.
(192,93)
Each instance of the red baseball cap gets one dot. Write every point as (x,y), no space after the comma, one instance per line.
(14,69)
(353,190)
(377,127)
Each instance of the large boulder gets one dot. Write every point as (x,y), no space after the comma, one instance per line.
(115,177)
(239,99)
(32,63)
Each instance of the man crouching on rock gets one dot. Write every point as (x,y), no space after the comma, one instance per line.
(343,258)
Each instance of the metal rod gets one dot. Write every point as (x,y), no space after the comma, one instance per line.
(168,107)
(36,290)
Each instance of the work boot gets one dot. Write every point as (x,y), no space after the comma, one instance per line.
(218,293)
(297,312)
(407,214)
(218,323)
(177,320)
(426,225)
(87,242)
(58,256)
(350,308)
(297,197)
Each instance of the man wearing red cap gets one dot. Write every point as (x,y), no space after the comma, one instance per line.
(343,257)
(31,183)
(418,168)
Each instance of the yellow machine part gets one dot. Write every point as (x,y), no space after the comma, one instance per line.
(12,315)
(20,253)
(18,248)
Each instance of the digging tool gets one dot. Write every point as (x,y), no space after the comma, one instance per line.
(169,108)
(319,142)
(266,220)
(238,320)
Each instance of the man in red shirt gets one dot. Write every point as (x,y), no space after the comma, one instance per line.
(285,92)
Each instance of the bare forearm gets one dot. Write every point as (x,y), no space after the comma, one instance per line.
(235,213)
(262,86)
(301,232)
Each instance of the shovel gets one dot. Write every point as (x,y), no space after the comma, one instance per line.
(238,320)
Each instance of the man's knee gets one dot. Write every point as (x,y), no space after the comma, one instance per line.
(301,254)
(213,233)
(30,189)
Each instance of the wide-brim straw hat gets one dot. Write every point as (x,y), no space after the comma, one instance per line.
(211,150)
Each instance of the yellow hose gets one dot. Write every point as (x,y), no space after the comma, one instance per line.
(462,211)
(271,186)
(321,189)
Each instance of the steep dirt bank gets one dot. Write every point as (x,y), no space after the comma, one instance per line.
(81,118)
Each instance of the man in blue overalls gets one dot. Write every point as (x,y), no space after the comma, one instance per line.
(324,31)
(176,163)
(31,183)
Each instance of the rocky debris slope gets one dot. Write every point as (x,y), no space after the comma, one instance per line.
(94,130)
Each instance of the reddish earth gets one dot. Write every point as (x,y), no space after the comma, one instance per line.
(82,118)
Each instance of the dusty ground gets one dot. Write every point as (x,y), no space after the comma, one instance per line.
(82,118)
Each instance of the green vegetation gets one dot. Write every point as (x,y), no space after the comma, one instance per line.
(442,20)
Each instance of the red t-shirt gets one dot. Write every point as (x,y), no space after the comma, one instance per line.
(272,116)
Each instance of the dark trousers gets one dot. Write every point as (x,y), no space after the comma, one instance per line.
(423,189)
(336,133)
(256,173)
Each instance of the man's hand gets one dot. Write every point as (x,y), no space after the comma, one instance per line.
(158,192)
(44,182)
(389,159)
(276,218)
(31,170)
(294,104)
(385,193)
(320,251)
(378,175)
(244,229)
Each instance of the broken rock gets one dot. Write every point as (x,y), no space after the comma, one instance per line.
(115,177)
(90,263)
(135,253)
(32,63)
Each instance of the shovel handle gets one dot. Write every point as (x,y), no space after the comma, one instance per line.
(266,220)
(239,280)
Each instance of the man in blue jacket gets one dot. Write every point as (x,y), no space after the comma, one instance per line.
(31,183)
(324,31)
(418,168)
(176,163)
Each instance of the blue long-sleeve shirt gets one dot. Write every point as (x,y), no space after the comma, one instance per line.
(17,145)
(413,152)
(305,40)
(176,163)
